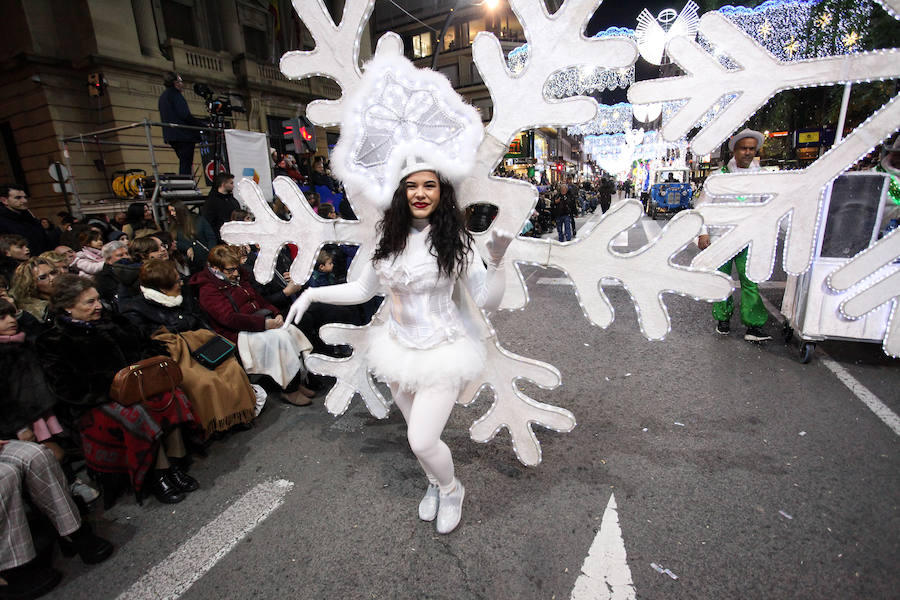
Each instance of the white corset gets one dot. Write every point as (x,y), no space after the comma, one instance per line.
(423,314)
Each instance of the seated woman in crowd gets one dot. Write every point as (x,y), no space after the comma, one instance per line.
(81,355)
(128,272)
(60,260)
(32,286)
(107,283)
(180,261)
(194,235)
(26,401)
(221,398)
(138,221)
(26,321)
(238,312)
(89,260)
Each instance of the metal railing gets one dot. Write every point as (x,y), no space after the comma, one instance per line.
(95,138)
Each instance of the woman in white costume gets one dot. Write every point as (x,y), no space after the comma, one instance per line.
(424,353)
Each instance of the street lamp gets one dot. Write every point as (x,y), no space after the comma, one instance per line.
(489,4)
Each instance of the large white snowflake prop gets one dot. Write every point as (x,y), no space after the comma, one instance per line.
(797,195)
(556,43)
(759,77)
(877,266)
(793,195)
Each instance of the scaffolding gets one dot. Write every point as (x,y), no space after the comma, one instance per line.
(168,186)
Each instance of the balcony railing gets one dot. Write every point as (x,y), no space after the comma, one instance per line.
(201,64)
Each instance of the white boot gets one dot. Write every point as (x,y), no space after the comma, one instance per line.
(428,507)
(450,508)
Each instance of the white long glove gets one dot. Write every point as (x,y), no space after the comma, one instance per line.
(298,308)
(355,292)
(497,245)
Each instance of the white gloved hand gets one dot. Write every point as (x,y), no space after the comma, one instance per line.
(298,308)
(497,245)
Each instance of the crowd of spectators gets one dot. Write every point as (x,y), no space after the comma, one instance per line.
(82,299)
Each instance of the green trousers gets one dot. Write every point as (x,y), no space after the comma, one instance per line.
(753,313)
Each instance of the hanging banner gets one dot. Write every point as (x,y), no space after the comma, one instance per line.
(248,156)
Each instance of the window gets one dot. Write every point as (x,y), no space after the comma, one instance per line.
(194,22)
(256,28)
(255,43)
(178,17)
(449,39)
(421,45)
(475,27)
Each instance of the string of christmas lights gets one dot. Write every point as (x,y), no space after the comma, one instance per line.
(781,26)
(610,119)
(580,80)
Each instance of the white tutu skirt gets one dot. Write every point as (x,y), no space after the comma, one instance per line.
(452,364)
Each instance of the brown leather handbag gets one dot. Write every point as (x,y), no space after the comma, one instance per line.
(145,379)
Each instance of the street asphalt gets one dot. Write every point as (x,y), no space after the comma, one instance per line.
(745,473)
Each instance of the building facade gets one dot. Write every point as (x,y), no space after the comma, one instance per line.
(52,47)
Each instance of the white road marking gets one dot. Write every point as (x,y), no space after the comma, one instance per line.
(180,570)
(878,407)
(865,396)
(605,574)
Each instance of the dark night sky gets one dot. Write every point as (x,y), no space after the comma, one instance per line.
(624,13)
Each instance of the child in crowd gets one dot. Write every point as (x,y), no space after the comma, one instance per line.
(89,260)
(324,272)
(326,211)
(13,252)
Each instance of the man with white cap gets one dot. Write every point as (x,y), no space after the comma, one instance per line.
(744,146)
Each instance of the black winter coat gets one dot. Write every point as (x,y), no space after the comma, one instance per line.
(128,275)
(24,392)
(173,108)
(147,316)
(8,266)
(107,284)
(217,210)
(80,361)
(23,223)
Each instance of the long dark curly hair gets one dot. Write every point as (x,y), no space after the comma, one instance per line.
(449,239)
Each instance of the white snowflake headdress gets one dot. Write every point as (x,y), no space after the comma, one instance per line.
(398,120)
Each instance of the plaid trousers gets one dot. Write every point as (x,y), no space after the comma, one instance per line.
(32,466)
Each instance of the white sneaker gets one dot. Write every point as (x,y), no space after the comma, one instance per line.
(83,491)
(428,507)
(450,508)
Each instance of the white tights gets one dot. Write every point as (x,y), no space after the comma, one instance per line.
(426,413)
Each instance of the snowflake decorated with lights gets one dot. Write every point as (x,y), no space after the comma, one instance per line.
(730,73)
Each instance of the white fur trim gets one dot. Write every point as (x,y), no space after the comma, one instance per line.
(448,142)
(160,298)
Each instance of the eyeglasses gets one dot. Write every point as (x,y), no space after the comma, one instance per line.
(48,275)
(230,269)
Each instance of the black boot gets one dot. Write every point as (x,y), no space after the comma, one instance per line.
(28,581)
(182,480)
(165,489)
(91,548)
